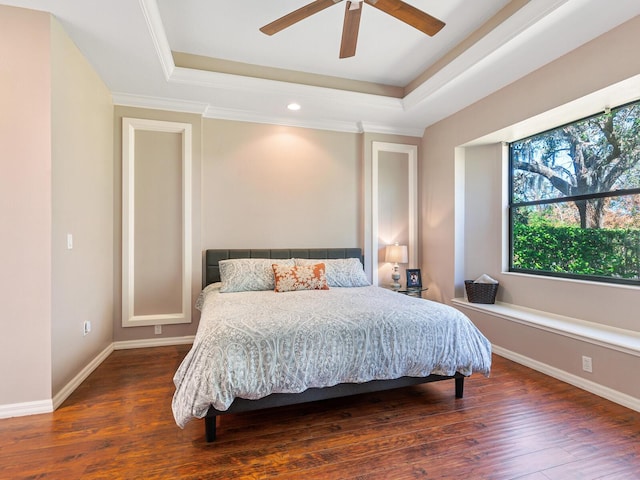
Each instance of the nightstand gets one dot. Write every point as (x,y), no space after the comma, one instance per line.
(413,292)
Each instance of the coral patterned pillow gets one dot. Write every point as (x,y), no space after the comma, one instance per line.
(302,277)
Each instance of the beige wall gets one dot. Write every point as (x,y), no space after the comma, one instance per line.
(82,205)
(483,211)
(271,186)
(158,217)
(457,243)
(25,206)
(57,178)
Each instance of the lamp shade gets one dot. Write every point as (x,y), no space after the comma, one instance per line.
(396,254)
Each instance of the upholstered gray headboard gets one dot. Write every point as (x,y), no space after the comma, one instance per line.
(211,271)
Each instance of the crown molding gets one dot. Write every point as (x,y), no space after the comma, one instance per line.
(158,103)
(484,51)
(351,101)
(209,111)
(151,14)
(367,127)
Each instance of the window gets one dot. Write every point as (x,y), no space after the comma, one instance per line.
(574,205)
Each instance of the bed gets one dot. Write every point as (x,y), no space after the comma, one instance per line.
(336,335)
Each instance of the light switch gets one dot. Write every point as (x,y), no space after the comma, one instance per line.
(69,241)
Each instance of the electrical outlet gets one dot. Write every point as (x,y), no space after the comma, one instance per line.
(587,364)
(158,329)
(86,327)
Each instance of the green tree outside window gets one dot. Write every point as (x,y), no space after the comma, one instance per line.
(575,199)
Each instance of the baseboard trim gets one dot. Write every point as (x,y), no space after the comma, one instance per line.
(582,383)
(26,408)
(48,406)
(153,342)
(75,382)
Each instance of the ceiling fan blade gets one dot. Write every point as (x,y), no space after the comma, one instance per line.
(297,15)
(350,29)
(409,15)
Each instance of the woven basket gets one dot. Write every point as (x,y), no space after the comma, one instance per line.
(481,292)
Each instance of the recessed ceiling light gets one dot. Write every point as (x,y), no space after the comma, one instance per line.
(294,106)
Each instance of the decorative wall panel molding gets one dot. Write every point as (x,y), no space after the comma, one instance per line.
(156,222)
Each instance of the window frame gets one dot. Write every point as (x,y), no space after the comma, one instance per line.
(511,208)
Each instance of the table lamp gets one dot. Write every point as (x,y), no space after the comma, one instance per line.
(396,254)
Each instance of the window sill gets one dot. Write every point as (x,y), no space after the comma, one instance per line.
(626,341)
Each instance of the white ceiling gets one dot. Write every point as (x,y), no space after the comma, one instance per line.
(389,51)
(129,44)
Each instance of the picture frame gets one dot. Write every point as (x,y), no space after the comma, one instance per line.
(414,278)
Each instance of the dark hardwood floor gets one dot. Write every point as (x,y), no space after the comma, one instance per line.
(516,424)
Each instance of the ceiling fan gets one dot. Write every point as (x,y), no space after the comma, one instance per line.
(396,8)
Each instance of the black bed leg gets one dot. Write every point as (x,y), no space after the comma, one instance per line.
(459,387)
(210,427)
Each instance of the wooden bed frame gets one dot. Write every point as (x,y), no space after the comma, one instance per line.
(211,274)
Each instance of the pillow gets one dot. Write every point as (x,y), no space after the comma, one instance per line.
(248,274)
(303,277)
(341,272)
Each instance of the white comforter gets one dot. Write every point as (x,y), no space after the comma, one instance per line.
(252,344)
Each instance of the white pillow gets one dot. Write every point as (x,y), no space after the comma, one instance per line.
(340,272)
(249,274)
